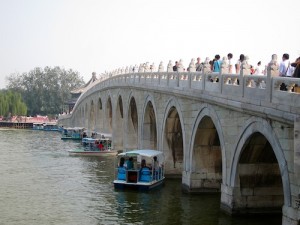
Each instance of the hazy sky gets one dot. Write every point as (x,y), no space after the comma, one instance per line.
(99,35)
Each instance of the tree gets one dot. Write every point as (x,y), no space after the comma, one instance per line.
(45,90)
(11,104)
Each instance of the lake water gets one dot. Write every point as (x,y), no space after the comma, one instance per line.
(41,184)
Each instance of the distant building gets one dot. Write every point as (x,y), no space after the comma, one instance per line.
(75,94)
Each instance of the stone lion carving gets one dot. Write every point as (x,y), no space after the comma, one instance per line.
(192,66)
(273,67)
(180,66)
(152,67)
(206,66)
(224,65)
(141,68)
(246,66)
(161,67)
(170,66)
(147,67)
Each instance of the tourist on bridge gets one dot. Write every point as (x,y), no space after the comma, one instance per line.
(259,69)
(296,65)
(217,64)
(239,63)
(230,63)
(175,67)
(199,65)
(285,69)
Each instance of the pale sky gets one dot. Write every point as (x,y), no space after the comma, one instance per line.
(99,35)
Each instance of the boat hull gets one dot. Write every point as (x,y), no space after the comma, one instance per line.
(92,153)
(139,186)
(70,138)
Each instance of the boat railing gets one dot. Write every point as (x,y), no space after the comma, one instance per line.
(139,175)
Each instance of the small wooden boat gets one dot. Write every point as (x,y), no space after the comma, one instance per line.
(141,170)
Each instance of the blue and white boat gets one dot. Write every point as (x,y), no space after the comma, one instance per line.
(38,126)
(94,147)
(141,170)
(73,133)
(50,126)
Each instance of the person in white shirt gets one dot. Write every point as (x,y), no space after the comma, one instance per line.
(259,69)
(239,63)
(230,63)
(285,69)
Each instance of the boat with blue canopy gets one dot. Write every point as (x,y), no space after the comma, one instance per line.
(141,170)
(73,133)
(95,146)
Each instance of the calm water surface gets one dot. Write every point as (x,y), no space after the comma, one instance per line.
(41,184)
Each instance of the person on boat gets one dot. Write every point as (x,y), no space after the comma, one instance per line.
(101,146)
(129,163)
(144,164)
(155,163)
(84,135)
(122,161)
(156,167)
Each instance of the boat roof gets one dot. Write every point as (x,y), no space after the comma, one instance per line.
(142,152)
(74,128)
(88,139)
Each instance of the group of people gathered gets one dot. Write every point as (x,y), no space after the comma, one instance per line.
(286,68)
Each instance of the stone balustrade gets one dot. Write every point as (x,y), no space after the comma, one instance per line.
(256,90)
(239,88)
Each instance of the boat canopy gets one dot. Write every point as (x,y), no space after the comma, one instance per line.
(74,128)
(144,152)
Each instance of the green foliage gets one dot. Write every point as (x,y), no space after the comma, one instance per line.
(11,104)
(45,90)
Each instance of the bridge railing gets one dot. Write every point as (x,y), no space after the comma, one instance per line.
(252,89)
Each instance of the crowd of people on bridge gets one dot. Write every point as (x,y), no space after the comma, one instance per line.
(286,68)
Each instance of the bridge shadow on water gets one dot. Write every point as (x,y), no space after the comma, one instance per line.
(170,205)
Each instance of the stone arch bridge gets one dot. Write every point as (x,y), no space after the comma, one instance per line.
(234,134)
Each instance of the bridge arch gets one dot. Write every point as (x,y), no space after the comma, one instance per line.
(207,156)
(259,170)
(173,138)
(149,124)
(132,122)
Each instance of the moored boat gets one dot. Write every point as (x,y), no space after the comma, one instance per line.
(50,126)
(38,126)
(141,170)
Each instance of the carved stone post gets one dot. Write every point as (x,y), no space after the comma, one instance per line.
(152,67)
(224,66)
(245,67)
(180,66)
(170,66)
(192,67)
(147,67)
(272,71)
(161,67)
(206,70)
(206,66)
